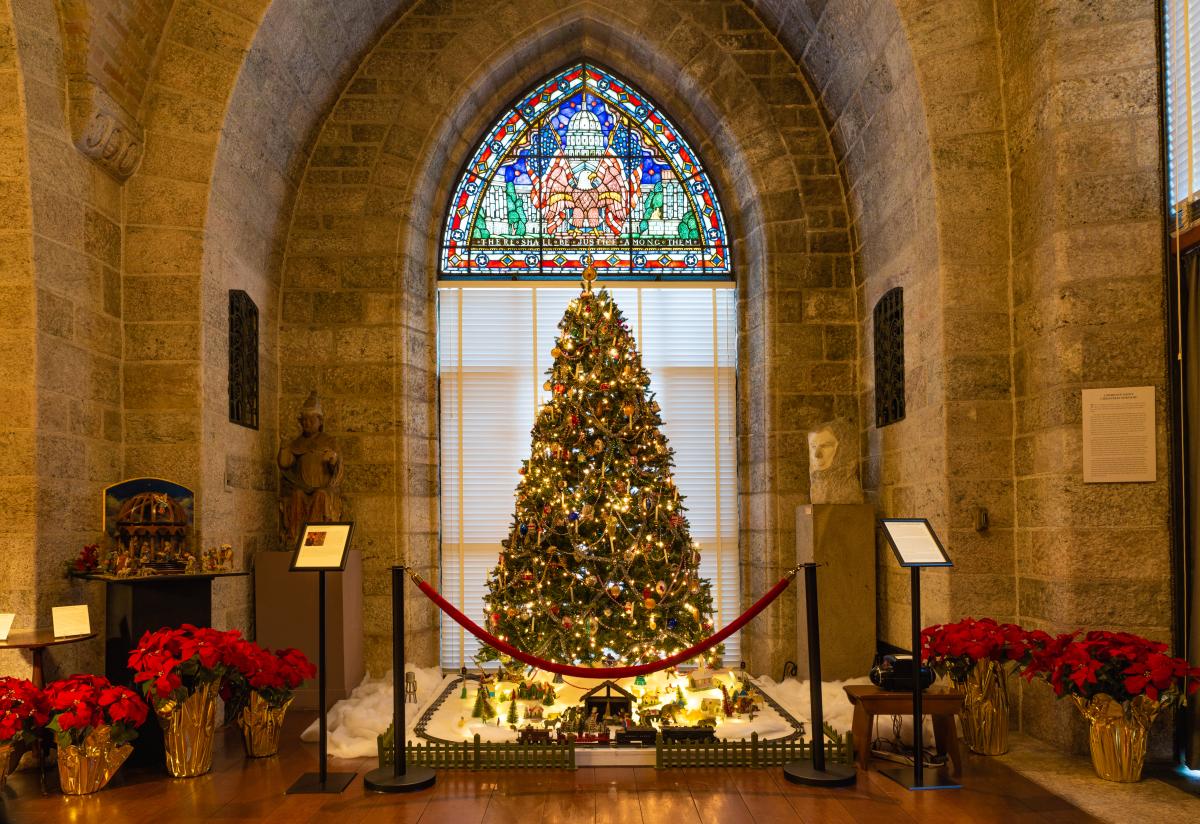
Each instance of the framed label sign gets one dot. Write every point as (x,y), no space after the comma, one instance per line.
(322,547)
(72,620)
(914,542)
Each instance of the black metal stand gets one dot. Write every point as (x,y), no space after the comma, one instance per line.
(399,778)
(817,774)
(322,781)
(914,777)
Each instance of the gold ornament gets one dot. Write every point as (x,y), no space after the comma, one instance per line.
(188,730)
(649,603)
(86,767)
(661,588)
(556,352)
(614,590)
(627,409)
(262,726)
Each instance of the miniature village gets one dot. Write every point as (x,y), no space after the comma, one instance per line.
(700,705)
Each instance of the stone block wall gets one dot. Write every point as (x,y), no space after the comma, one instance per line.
(1081,86)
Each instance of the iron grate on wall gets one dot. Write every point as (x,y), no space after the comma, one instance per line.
(243,359)
(889,358)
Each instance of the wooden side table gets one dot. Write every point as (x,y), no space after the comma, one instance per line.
(870,701)
(36,641)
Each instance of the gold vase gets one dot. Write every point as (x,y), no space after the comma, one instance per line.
(189,728)
(85,768)
(1117,734)
(261,726)
(10,756)
(985,708)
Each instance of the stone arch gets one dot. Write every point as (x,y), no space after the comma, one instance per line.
(783,201)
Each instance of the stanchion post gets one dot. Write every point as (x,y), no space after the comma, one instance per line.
(400,778)
(818,774)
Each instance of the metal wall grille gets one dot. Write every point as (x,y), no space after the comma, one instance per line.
(243,359)
(889,358)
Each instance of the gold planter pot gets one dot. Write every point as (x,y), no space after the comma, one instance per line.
(261,726)
(1118,734)
(10,756)
(188,731)
(87,767)
(985,708)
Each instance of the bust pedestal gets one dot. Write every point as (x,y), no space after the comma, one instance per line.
(285,615)
(841,536)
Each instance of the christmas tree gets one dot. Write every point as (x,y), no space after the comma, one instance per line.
(599,564)
(483,707)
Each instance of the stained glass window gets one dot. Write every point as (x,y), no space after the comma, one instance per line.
(584,170)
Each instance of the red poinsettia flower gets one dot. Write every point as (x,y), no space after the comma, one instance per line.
(81,703)
(171,663)
(22,710)
(272,675)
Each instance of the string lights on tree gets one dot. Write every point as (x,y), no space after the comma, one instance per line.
(599,565)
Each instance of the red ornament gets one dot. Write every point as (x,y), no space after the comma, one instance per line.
(604,387)
(555,609)
(559,389)
(495,619)
(567,623)
(574,420)
(526,576)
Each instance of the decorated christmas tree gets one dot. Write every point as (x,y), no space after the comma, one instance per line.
(599,565)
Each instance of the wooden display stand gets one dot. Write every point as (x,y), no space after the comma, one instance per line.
(870,701)
(285,609)
(841,538)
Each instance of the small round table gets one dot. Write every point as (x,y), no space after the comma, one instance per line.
(36,641)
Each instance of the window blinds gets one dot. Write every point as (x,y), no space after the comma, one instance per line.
(493,352)
(1183,90)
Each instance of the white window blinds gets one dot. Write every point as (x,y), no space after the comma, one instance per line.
(1183,97)
(493,352)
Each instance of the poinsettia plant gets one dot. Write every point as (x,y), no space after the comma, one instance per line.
(952,649)
(22,710)
(169,664)
(273,675)
(81,703)
(1119,664)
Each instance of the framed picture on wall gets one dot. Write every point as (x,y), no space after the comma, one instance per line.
(322,547)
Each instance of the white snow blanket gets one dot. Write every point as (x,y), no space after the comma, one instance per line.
(356,721)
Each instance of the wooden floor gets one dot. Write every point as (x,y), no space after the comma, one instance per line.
(252,790)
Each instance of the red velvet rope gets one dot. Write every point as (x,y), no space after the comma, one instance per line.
(603,672)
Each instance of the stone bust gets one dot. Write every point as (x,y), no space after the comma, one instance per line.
(311,469)
(833,464)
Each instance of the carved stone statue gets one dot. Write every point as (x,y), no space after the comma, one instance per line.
(833,464)
(311,473)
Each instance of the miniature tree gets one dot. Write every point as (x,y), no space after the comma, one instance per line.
(512,713)
(599,563)
(483,707)
(548,696)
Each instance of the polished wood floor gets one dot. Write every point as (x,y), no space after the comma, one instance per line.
(245,790)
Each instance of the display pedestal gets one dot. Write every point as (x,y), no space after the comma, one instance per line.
(135,606)
(284,606)
(842,537)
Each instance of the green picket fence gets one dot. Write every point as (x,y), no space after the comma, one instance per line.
(481,755)
(488,755)
(752,753)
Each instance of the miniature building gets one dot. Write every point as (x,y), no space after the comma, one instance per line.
(152,532)
(608,700)
(701,679)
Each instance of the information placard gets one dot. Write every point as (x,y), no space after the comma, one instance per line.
(322,547)
(72,620)
(1118,435)
(6,622)
(914,542)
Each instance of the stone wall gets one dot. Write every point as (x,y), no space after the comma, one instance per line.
(1081,88)
(18,404)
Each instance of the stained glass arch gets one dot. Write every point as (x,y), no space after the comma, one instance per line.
(584,170)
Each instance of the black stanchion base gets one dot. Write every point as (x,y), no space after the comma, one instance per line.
(385,780)
(311,783)
(931,779)
(834,775)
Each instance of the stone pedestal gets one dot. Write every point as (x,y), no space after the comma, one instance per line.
(841,536)
(285,615)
